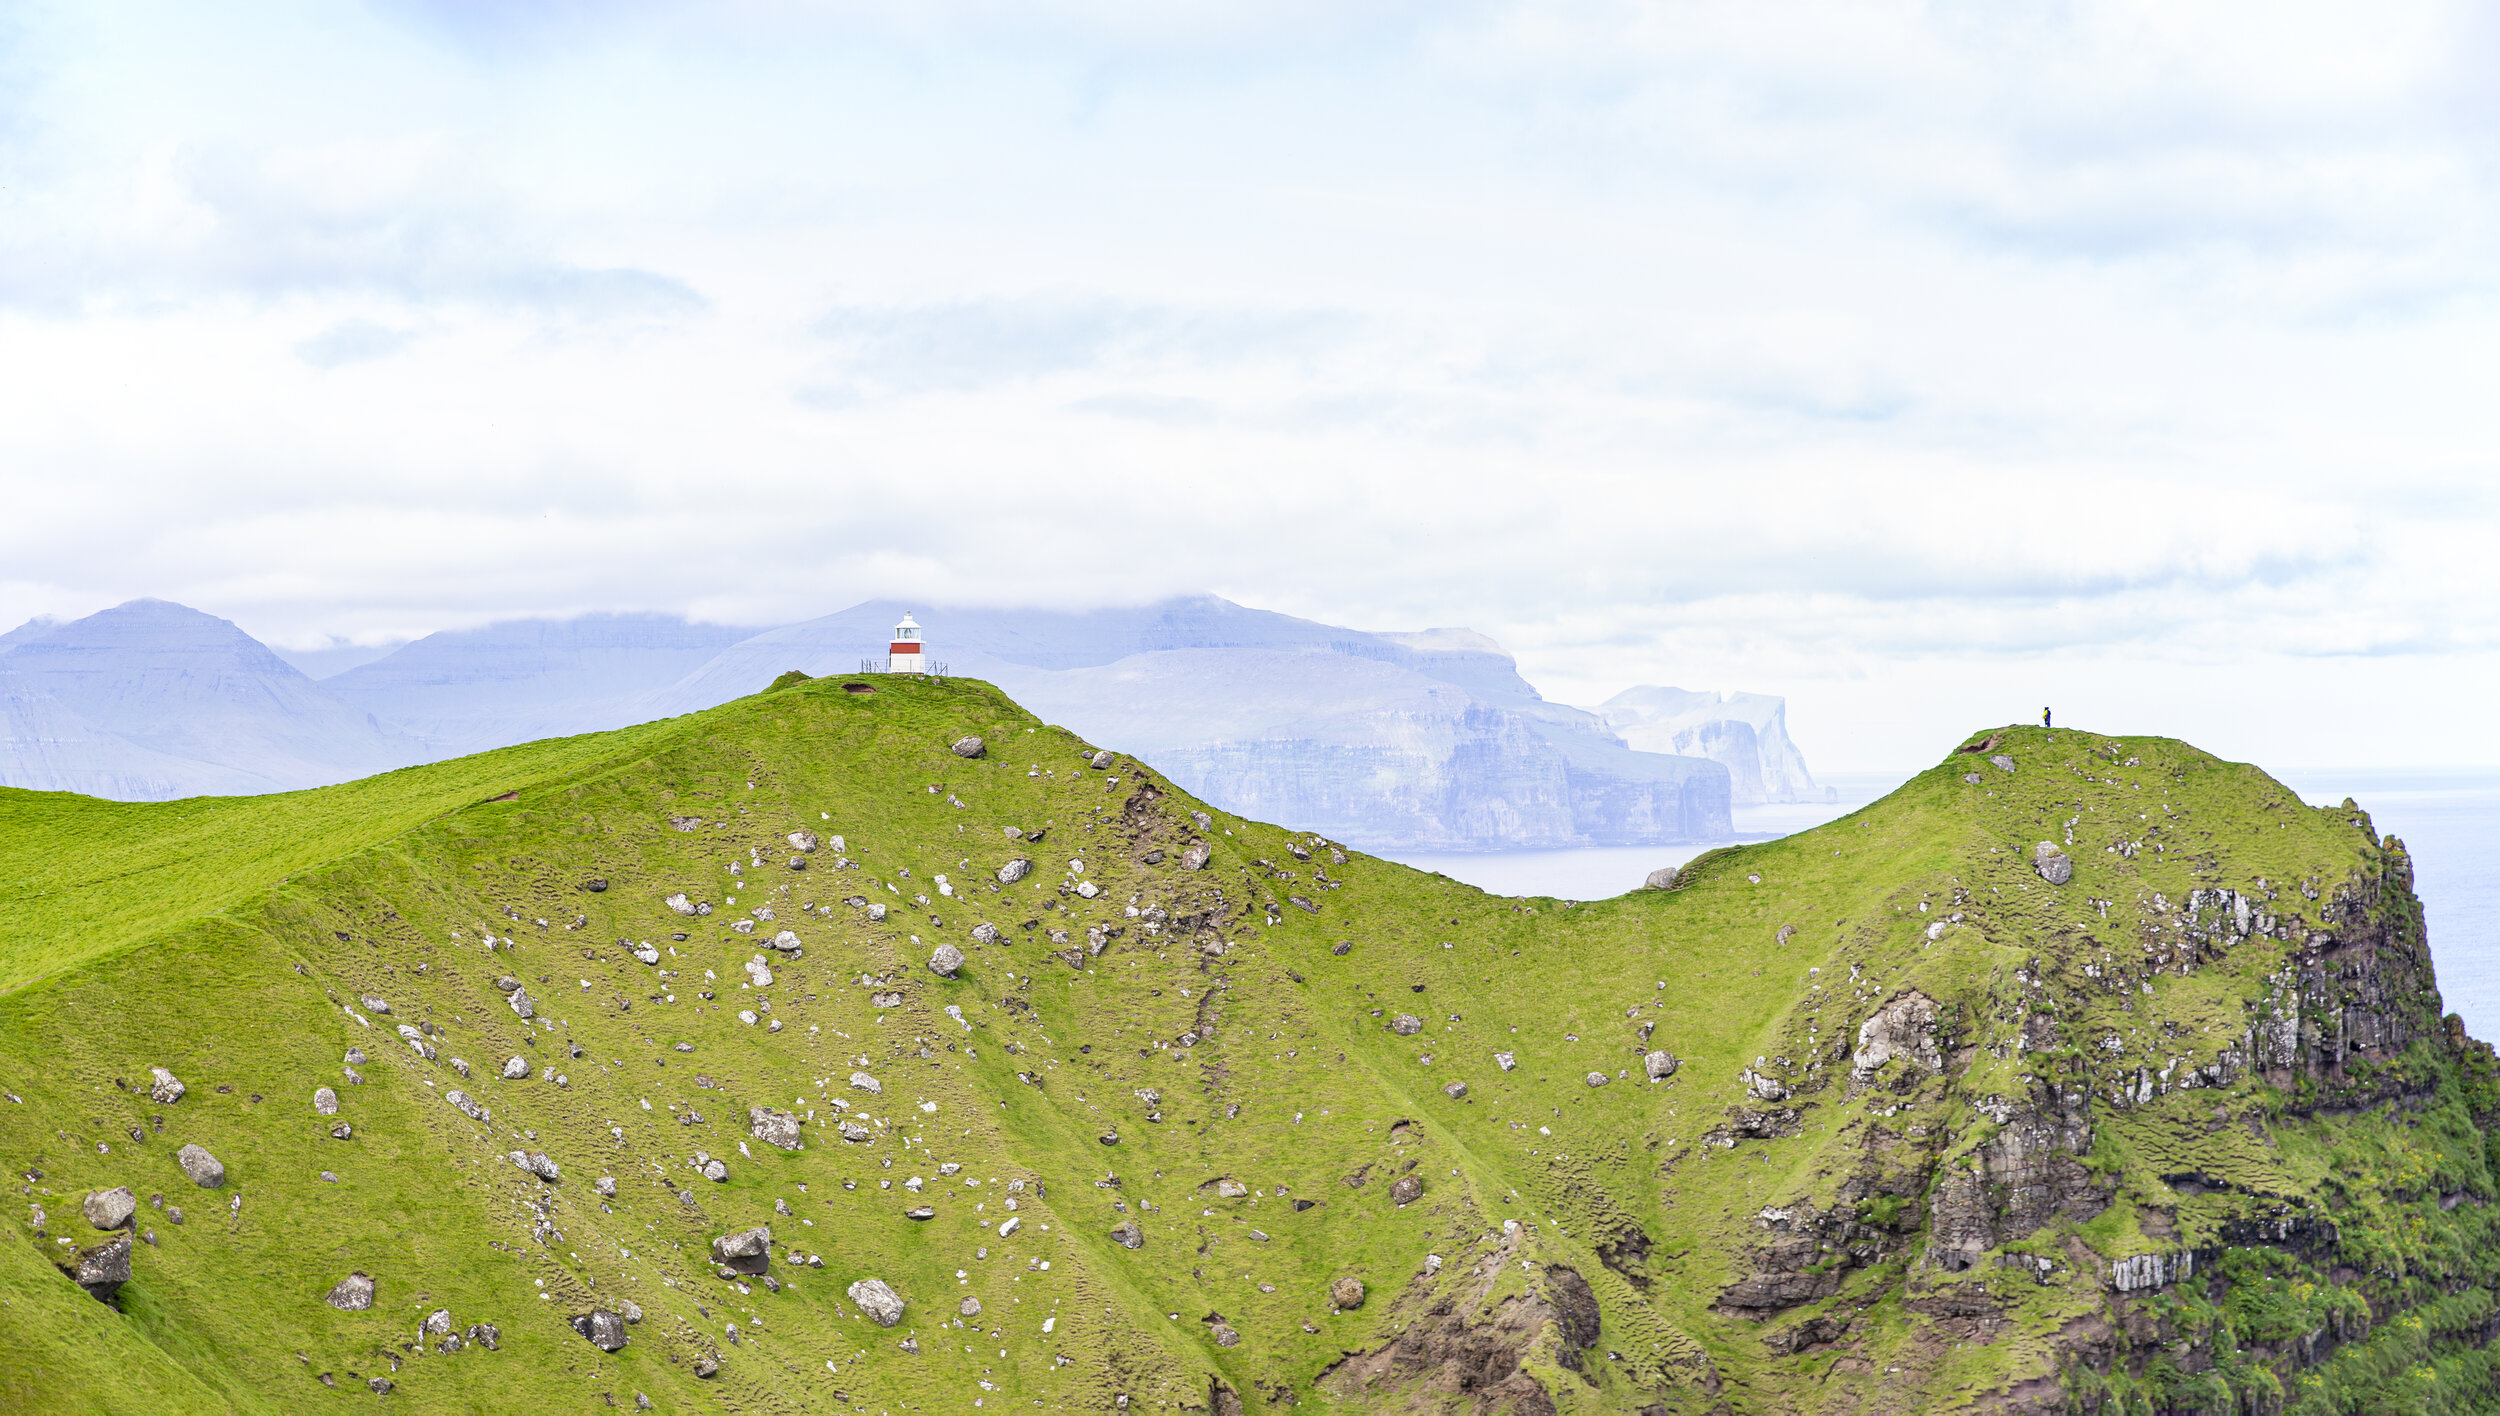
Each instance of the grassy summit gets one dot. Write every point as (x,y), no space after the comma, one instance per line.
(2185,1131)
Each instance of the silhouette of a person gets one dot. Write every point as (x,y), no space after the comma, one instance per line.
(2044,717)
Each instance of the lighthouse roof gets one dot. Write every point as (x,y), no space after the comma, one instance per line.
(907,622)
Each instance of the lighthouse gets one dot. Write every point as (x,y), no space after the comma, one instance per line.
(903,654)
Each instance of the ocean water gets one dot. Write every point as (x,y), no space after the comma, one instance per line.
(2448,818)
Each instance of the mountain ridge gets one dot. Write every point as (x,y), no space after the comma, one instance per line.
(1904,1111)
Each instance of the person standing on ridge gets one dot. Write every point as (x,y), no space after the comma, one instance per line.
(2044,717)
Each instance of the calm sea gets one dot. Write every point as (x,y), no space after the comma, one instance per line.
(2449,818)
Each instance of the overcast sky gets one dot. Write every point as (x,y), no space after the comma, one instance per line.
(1924,363)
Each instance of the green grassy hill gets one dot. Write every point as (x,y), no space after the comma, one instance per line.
(2167,1120)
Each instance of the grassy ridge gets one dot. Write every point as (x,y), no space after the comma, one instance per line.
(233,941)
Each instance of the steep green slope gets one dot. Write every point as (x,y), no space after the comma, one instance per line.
(2184,1131)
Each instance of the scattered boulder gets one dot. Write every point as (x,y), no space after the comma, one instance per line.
(168,1088)
(1597,1079)
(352,1294)
(356,1057)
(110,1209)
(787,941)
(524,1007)
(680,903)
(773,1127)
(985,933)
(1407,1190)
(946,960)
(1195,857)
(516,1068)
(1099,760)
(759,973)
(466,1106)
(375,1005)
(1663,878)
(878,1301)
(804,841)
(436,1324)
(853,1131)
(2052,863)
(606,1186)
(1659,1065)
(1014,871)
(1127,1235)
(1346,1292)
(967,747)
(1505,1061)
(1230,1189)
(204,1169)
(103,1269)
(646,953)
(1406,1025)
(603,1329)
(970,1307)
(716,1171)
(486,1335)
(1455,1091)
(861,1081)
(2003,762)
(749,1251)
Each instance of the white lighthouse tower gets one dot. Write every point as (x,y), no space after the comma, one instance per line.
(903,654)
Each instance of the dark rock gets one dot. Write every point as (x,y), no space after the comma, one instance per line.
(103,1269)
(603,1329)
(1128,1235)
(748,1251)
(1407,1190)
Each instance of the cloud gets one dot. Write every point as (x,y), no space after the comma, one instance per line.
(352,342)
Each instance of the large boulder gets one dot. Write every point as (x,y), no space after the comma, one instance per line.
(1663,878)
(749,1251)
(523,1006)
(1014,871)
(1659,1065)
(985,933)
(516,1069)
(1195,857)
(103,1269)
(1406,1025)
(2052,863)
(325,1101)
(1407,1190)
(773,1127)
(967,747)
(167,1089)
(352,1294)
(878,1301)
(946,960)
(1346,1292)
(603,1329)
(205,1170)
(1127,1235)
(110,1209)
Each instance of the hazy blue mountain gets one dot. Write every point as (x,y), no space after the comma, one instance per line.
(45,747)
(205,706)
(1745,732)
(331,661)
(1411,740)
(466,690)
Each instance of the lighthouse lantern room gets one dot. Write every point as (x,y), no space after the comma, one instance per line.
(903,654)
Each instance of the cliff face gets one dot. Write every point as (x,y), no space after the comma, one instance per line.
(1747,733)
(2082,1073)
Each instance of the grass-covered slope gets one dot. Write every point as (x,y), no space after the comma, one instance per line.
(2185,1131)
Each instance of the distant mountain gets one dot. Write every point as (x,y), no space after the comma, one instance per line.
(153,700)
(1747,733)
(466,690)
(1427,740)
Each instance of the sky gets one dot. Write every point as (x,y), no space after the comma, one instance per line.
(1924,363)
